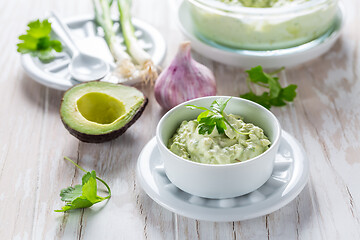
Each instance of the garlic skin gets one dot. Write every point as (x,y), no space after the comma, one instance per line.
(183,79)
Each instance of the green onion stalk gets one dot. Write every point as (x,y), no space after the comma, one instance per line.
(134,65)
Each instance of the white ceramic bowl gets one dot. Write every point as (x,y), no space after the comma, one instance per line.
(223,180)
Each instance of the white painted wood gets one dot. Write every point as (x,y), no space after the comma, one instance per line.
(325,118)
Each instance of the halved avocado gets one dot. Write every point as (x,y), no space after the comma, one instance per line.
(97,112)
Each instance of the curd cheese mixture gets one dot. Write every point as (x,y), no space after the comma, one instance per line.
(231,147)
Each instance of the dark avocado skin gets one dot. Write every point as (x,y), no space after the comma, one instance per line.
(108,136)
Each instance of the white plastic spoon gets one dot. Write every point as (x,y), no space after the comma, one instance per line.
(83,67)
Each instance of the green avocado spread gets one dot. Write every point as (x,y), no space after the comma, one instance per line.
(215,148)
(262,3)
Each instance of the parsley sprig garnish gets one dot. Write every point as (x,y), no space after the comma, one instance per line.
(213,117)
(276,94)
(37,41)
(85,195)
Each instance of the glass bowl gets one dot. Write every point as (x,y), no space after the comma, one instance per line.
(262,28)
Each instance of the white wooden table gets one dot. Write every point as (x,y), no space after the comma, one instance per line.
(325,118)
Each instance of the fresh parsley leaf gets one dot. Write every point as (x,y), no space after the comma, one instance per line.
(82,196)
(37,41)
(80,202)
(203,115)
(277,102)
(256,75)
(39,29)
(274,87)
(263,100)
(213,117)
(221,126)
(71,193)
(219,105)
(289,93)
(276,96)
(206,125)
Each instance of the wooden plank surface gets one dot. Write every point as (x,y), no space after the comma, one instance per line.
(325,118)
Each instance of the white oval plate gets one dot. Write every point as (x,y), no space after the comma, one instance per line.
(287,57)
(290,175)
(89,38)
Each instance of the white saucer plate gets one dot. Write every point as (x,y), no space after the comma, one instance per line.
(89,38)
(287,57)
(290,175)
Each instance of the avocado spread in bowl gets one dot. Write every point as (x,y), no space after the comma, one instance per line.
(219,148)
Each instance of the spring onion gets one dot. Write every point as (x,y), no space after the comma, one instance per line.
(133,65)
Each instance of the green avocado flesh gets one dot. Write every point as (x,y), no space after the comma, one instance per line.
(100,111)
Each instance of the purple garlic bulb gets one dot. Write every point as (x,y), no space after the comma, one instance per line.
(183,80)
